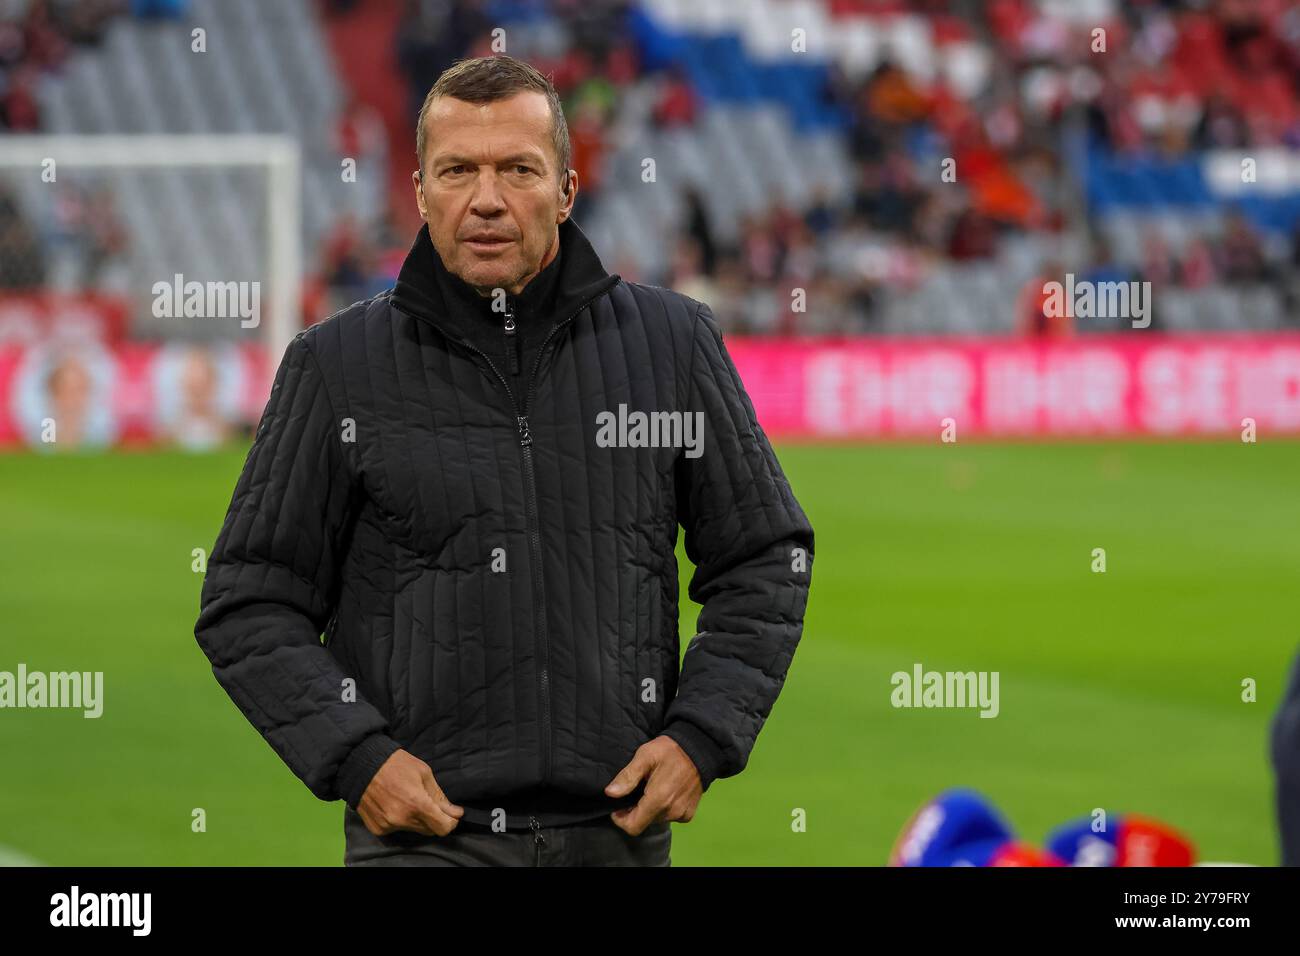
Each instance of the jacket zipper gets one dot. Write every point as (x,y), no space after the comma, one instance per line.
(512,343)
(539,841)
(539,597)
(534,531)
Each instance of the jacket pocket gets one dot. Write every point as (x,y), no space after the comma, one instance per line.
(651,679)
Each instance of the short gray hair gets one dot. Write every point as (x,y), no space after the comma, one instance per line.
(487,79)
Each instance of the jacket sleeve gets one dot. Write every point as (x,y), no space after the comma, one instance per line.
(752,547)
(271,585)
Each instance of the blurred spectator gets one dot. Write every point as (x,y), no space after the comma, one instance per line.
(688,274)
(1197,269)
(434,34)
(587,137)
(104,236)
(1037,315)
(1241,256)
(19,110)
(22,258)
(698,228)
(973,236)
(675,104)
(360,136)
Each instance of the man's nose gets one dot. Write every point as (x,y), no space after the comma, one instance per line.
(486,201)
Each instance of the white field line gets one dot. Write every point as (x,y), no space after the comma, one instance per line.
(11,857)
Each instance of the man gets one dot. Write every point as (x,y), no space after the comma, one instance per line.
(471,484)
(1284,751)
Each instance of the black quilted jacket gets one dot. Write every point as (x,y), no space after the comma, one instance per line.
(496,587)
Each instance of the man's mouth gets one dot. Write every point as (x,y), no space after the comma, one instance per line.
(488,243)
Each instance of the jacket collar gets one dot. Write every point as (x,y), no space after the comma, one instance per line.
(426,290)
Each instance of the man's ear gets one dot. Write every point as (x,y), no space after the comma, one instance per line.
(418,181)
(568,192)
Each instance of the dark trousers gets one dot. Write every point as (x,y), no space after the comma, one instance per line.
(589,843)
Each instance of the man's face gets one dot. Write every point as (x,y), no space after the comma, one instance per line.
(490,189)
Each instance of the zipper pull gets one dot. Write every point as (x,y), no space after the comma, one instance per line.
(525,436)
(536,827)
(512,344)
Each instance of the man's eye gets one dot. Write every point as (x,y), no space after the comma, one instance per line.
(456,170)
(522,170)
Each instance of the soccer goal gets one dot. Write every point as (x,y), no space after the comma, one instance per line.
(189,237)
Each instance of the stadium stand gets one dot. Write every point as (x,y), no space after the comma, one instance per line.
(797,145)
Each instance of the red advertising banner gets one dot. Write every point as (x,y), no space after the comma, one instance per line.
(1140,385)
(89,395)
(48,317)
(1085,387)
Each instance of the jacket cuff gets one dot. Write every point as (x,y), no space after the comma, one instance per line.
(699,746)
(361,765)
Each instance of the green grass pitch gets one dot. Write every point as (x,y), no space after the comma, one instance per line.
(1120,690)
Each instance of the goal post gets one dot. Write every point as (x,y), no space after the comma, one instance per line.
(241,193)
